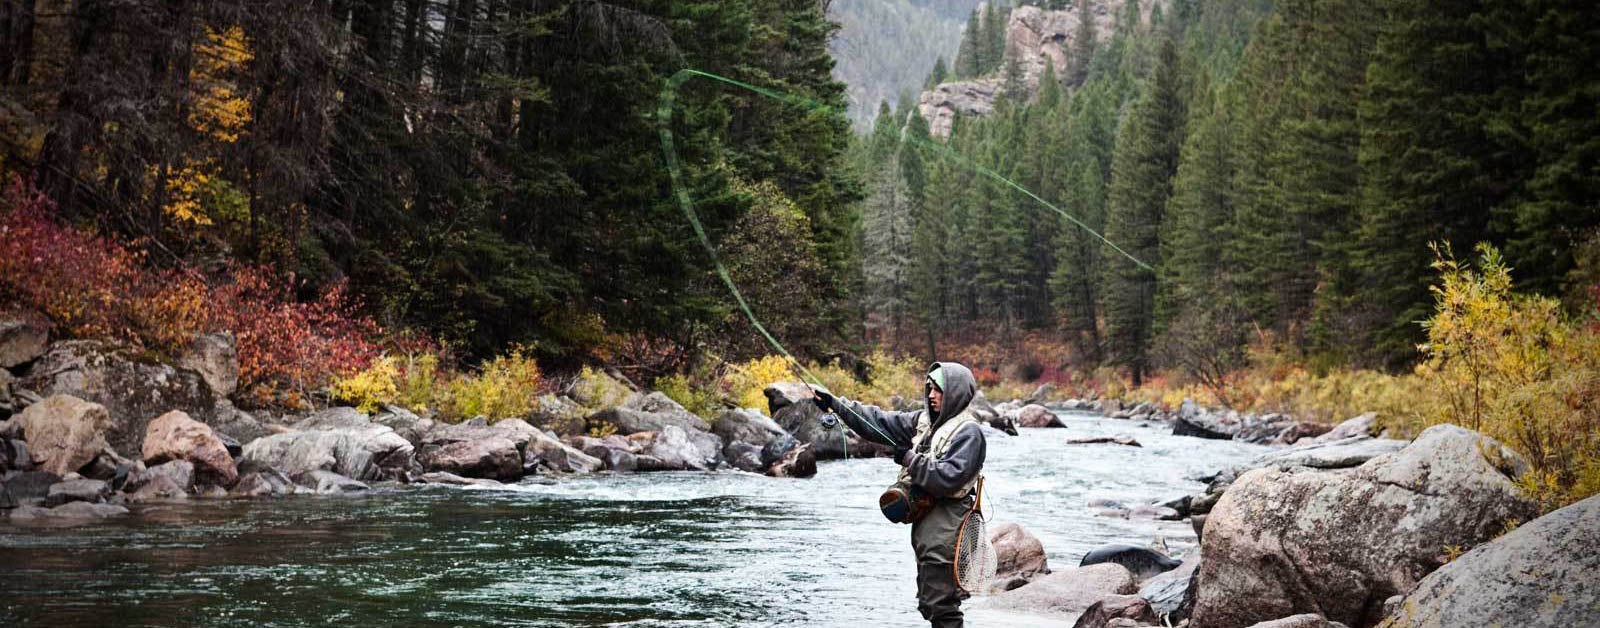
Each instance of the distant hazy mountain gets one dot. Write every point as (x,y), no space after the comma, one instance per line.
(885,46)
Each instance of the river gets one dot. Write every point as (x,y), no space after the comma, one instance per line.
(664,549)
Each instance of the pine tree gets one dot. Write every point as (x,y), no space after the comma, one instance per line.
(1142,167)
(886,232)
(969,55)
(1083,43)
(988,31)
(939,74)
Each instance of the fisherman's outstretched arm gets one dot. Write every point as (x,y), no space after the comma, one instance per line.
(961,462)
(873,423)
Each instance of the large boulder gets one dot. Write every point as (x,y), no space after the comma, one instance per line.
(1019,556)
(667,450)
(1364,425)
(632,420)
(175,436)
(404,422)
(1035,415)
(781,395)
(1142,562)
(967,99)
(368,452)
(1070,591)
(495,458)
(558,456)
(1340,454)
(64,432)
(23,338)
(746,426)
(614,452)
(1541,575)
(215,358)
(1339,543)
(133,391)
(30,485)
(241,426)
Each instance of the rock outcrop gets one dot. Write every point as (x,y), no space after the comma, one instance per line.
(215,358)
(364,451)
(132,391)
(23,338)
(967,99)
(1339,543)
(1541,575)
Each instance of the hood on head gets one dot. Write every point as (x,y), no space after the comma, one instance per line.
(959,389)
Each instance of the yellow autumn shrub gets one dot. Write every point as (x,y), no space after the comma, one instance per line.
(504,387)
(368,389)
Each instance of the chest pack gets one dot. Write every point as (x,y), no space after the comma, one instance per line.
(904,501)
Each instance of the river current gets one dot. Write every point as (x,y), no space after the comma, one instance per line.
(663,549)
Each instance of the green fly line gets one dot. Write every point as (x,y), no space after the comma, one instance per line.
(680,191)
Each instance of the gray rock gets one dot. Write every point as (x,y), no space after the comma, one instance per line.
(26,485)
(613,452)
(632,421)
(494,457)
(369,453)
(1364,425)
(558,456)
(1204,427)
(215,358)
(335,418)
(451,479)
(262,483)
(1100,614)
(1142,562)
(1541,575)
(241,426)
(781,395)
(967,99)
(746,426)
(166,480)
(1340,542)
(1171,594)
(14,455)
(23,338)
(67,514)
(93,491)
(744,456)
(1069,591)
(800,421)
(64,433)
(1340,454)
(328,483)
(405,423)
(10,428)
(133,392)
(668,450)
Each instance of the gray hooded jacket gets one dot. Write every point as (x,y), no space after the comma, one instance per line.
(943,476)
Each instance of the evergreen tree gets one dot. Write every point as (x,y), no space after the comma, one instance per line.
(1142,167)
(969,55)
(1083,43)
(939,74)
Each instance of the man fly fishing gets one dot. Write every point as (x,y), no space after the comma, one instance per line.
(941,453)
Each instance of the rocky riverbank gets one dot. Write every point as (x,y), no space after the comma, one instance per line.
(1338,527)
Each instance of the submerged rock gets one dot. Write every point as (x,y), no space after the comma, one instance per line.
(1541,575)
(328,482)
(1341,542)
(1142,562)
(73,513)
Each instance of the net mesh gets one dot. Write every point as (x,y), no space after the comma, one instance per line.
(975,556)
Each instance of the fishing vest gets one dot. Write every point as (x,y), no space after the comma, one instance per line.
(940,443)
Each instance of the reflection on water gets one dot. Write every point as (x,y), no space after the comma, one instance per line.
(669,549)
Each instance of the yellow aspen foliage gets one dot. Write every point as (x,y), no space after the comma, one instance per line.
(219,108)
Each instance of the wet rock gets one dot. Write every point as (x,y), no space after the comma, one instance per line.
(558,456)
(64,432)
(451,479)
(328,483)
(798,462)
(1203,427)
(1307,620)
(368,453)
(1035,415)
(613,452)
(746,426)
(1019,555)
(744,457)
(215,358)
(23,338)
(1068,591)
(30,485)
(1141,562)
(175,436)
(166,480)
(1131,607)
(1340,542)
(667,450)
(1340,454)
(1541,575)
(1126,441)
(66,514)
(92,491)
(132,391)
(14,455)
(1171,593)
(1152,511)
(241,426)
(263,483)
(493,457)
(106,465)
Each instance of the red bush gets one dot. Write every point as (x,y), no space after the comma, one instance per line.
(95,287)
